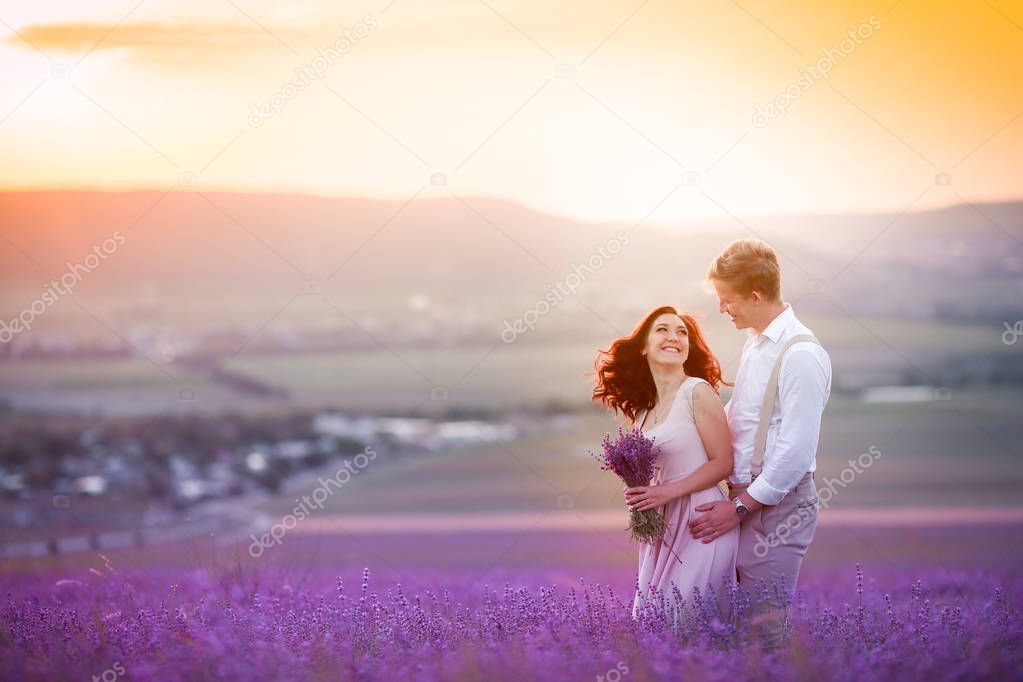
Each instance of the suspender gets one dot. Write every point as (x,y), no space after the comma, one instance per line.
(768,406)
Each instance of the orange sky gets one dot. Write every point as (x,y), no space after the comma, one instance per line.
(658,101)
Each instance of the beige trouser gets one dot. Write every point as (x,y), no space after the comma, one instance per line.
(772,543)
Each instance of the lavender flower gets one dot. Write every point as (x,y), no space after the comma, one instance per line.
(531,624)
(632,456)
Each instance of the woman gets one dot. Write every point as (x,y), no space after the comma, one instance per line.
(665,379)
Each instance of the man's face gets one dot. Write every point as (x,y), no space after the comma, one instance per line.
(740,309)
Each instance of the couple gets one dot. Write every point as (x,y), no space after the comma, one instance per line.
(665,379)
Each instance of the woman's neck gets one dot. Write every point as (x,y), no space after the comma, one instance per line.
(667,381)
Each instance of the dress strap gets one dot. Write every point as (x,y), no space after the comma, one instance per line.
(689,386)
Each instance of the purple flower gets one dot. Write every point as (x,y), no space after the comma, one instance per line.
(631,456)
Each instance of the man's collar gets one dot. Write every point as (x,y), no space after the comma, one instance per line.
(774,330)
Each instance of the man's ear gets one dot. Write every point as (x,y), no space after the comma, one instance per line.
(757,298)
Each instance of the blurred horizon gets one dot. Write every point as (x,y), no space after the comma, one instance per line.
(723,222)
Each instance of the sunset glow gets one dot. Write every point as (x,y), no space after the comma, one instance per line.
(591,111)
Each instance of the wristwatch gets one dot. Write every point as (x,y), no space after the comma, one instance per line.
(741,509)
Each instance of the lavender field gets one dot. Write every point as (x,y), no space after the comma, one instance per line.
(551,606)
(501,562)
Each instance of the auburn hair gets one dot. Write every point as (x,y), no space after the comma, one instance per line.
(624,381)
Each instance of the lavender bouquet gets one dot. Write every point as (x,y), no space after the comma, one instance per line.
(631,455)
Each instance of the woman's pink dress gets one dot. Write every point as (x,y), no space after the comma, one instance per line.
(681,560)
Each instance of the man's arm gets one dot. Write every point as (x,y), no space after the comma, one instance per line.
(803,390)
(802,394)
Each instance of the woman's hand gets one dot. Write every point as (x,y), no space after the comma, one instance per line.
(645,497)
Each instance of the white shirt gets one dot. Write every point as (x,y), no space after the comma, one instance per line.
(804,385)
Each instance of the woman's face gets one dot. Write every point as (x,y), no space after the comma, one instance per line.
(667,342)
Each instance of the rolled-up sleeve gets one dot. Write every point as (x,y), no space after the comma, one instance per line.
(803,389)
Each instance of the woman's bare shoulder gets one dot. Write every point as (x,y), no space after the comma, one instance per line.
(703,397)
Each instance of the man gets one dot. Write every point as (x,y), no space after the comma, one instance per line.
(782,386)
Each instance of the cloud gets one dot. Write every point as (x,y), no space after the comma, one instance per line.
(78,37)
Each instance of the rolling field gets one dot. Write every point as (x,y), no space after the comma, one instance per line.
(493,376)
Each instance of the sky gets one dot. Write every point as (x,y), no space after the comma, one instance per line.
(607,111)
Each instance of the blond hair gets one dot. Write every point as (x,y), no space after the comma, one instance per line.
(748,265)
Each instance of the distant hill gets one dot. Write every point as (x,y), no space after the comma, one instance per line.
(226,255)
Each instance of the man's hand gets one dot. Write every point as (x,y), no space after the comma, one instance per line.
(645,497)
(720,518)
